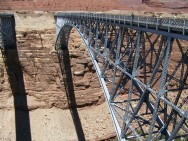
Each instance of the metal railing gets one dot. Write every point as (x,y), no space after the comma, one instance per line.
(169,24)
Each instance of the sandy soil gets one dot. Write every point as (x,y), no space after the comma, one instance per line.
(95,5)
(36,20)
(61,125)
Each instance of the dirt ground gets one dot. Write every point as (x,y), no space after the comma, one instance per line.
(96,5)
(61,125)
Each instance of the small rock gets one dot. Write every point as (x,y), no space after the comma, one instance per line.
(78,72)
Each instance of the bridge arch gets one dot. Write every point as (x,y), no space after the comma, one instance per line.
(61,46)
(133,64)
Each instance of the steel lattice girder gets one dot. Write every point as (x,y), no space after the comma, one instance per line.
(142,67)
(7,32)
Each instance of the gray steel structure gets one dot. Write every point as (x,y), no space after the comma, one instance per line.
(142,66)
(7,32)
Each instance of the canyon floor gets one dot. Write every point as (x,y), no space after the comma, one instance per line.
(55,124)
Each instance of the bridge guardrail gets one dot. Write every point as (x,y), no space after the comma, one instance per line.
(169,24)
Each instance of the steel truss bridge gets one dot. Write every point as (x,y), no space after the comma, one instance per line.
(142,66)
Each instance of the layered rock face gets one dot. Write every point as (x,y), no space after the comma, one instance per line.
(35,102)
(42,74)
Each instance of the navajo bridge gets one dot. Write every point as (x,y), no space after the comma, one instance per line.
(142,66)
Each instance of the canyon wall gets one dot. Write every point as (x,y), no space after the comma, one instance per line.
(42,74)
(35,103)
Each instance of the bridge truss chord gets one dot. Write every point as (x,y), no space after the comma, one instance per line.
(142,66)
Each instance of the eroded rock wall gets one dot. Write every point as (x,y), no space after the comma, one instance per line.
(42,75)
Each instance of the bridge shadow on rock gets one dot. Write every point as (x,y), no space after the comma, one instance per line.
(15,78)
(64,60)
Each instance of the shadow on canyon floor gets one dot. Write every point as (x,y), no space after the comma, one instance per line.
(64,60)
(15,78)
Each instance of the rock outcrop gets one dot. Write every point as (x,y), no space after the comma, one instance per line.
(43,81)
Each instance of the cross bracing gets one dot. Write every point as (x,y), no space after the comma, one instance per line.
(141,63)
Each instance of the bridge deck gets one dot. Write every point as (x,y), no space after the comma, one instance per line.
(174,27)
(7,32)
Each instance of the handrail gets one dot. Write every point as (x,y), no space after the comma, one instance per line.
(168,24)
